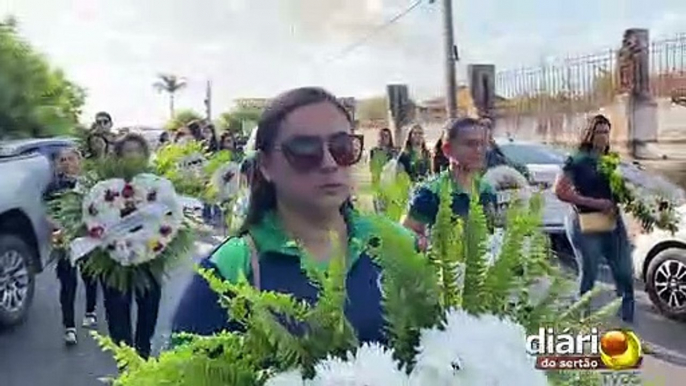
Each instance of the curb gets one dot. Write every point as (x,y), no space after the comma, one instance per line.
(661,353)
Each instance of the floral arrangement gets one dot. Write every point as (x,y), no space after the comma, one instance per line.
(184,165)
(226,181)
(125,224)
(450,293)
(133,221)
(651,211)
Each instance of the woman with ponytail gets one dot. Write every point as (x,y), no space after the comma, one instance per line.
(300,190)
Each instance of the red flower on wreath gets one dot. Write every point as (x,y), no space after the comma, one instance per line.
(128,191)
(96,232)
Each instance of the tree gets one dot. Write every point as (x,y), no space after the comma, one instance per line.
(235,119)
(182,118)
(36,100)
(171,84)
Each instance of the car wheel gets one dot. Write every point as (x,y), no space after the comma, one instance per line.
(16,279)
(666,282)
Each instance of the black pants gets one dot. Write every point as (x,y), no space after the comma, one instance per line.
(118,310)
(68,276)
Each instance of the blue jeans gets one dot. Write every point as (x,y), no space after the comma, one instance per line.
(589,248)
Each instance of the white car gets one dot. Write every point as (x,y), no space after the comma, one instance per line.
(659,258)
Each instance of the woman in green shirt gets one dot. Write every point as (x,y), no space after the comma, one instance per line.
(415,158)
(300,192)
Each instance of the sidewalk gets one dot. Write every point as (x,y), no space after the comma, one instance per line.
(656,372)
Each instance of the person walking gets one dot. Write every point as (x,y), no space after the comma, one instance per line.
(117,302)
(68,164)
(415,158)
(595,227)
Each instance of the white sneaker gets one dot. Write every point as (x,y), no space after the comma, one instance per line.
(90,321)
(70,336)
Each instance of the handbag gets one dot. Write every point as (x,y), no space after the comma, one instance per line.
(597,222)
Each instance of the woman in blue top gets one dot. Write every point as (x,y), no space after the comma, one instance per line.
(300,191)
(589,192)
(464,143)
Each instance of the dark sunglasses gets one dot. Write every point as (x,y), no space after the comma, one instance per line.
(305,153)
(102,121)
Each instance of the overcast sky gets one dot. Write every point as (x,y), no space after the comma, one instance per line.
(257,48)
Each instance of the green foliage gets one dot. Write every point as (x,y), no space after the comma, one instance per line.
(167,165)
(67,209)
(239,359)
(660,214)
(233,121)
(36,100)
(182,118)
(392,197)
(418,288)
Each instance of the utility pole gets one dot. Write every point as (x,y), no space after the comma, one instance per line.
(208,100)
(450,59)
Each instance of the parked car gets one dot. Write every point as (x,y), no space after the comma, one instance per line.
(25,236)
(659,257)
(543,164)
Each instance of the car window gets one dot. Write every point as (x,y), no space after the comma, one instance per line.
(527,154)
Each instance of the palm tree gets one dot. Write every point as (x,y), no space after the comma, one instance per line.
(170,84)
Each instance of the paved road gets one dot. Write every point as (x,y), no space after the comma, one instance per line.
(34,355)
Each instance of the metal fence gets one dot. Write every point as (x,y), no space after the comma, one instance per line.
(587,82)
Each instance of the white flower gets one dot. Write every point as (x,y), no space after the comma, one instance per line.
(475,351)
(288,378)
(371,365)
(135,221)
(227,180)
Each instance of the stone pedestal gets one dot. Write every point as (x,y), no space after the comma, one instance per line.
(482,87)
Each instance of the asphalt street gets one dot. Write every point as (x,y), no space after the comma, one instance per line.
(34,354)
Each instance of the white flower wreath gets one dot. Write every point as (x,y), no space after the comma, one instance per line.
(508,182)
(132,221)
(226,179)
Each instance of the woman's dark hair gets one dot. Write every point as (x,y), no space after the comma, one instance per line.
(194,127)
(407,146)
(390,136)
(438,160)
(131,137)
(586,140)
(222,138)
(104,114)
(212,145)
(89,145)
(262,192)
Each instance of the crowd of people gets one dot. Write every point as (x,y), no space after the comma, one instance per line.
(300,188)
(101,142)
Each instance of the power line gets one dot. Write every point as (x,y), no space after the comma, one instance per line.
(353,46)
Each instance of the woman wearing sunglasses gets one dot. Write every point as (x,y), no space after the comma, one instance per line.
(464,143)
(300,192)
